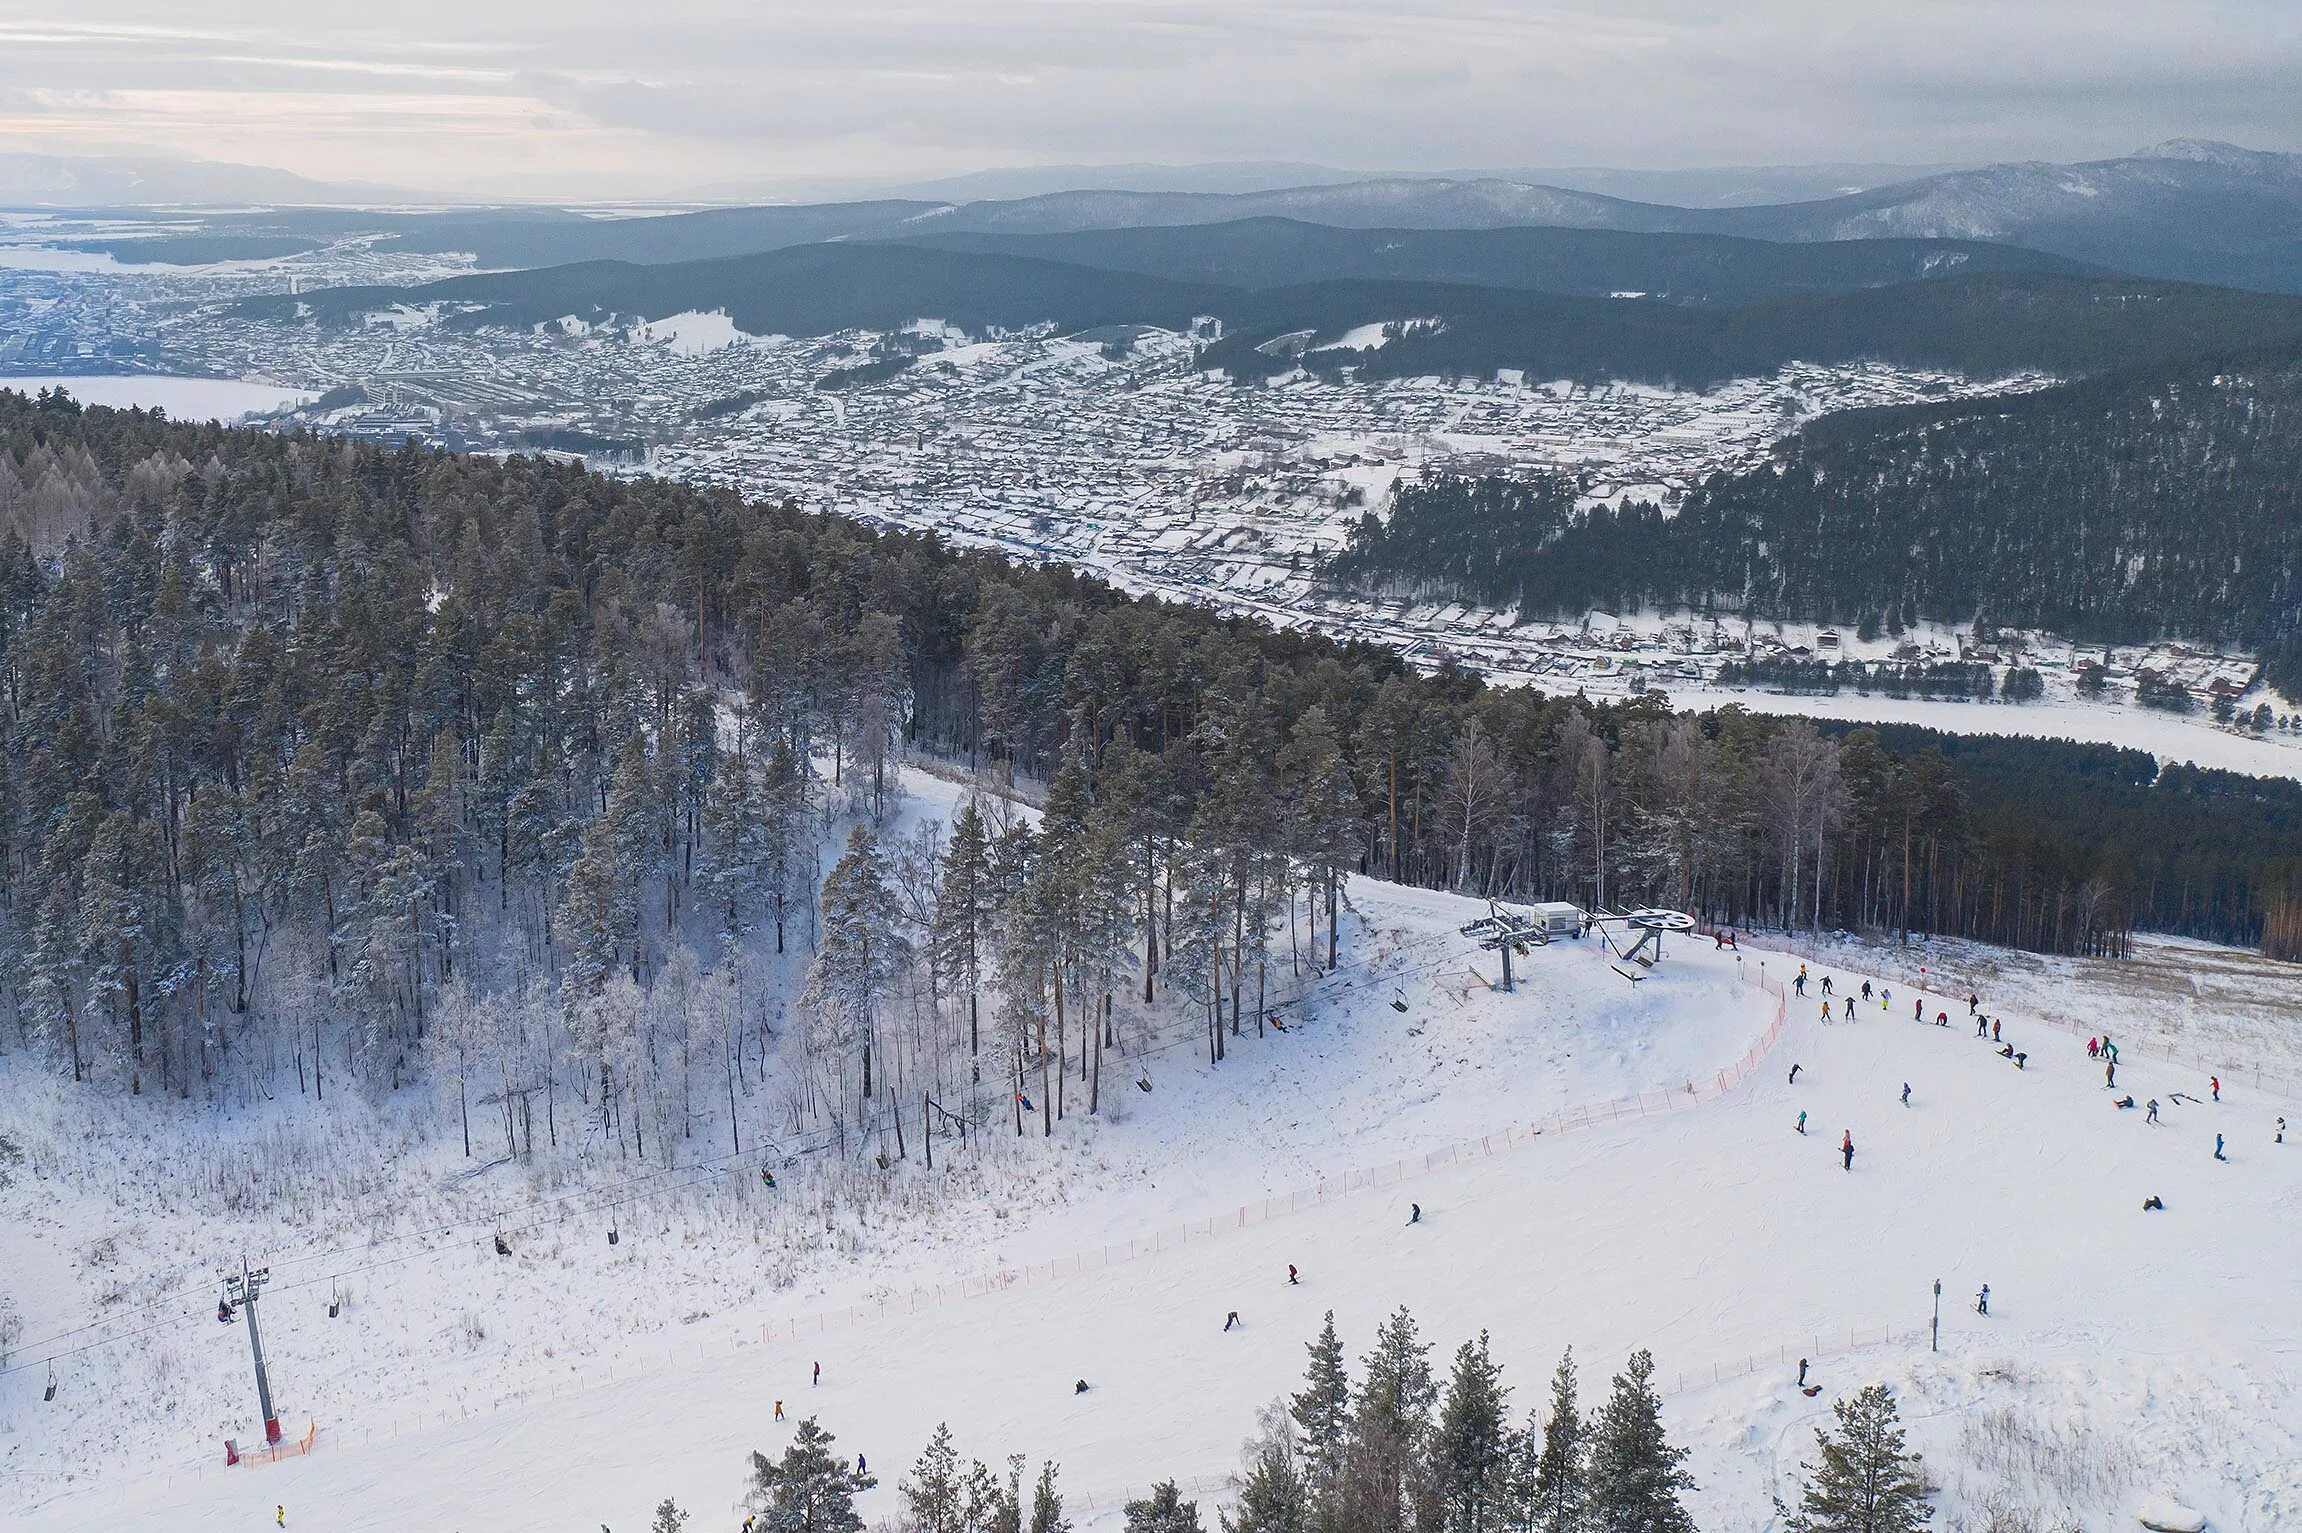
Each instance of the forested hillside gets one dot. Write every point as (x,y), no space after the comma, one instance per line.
(320,752)
(2132,507)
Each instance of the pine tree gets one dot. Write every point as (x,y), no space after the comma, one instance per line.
(1635,1473)
(963,911)
(933,1494)
(1322,1408)
(1047,1503)
(1475,1448)
(1388,1483)
(668,1517)
(1163,1511)
(1559,1480)
(1273,1495)
(810,1490)
(1867,1481)
(862,953)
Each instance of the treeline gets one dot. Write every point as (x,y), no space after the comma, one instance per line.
(1398,1450)
(331,759)
(1961,680)
(2151,504)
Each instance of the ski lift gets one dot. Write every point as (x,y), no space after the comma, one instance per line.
(1398,1002)
(503,1246)
(1143,1082)
(614,1236)
(50,1392)
(335,1300)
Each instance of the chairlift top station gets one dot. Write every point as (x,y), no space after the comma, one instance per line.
(1504,930)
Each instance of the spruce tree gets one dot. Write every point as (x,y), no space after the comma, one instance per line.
(1047,1503)
(668,1518)
(1635,1473)
(1163,1511)
(809,1490)
(1867,1481)
(1322,1408)
(1559,1480)
(1475,1448)
(932,1493)
(1389,1484)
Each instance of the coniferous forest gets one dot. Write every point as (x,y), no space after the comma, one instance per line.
(333,760)
(2149,504)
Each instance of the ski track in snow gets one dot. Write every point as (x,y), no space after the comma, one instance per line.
(1712,1234)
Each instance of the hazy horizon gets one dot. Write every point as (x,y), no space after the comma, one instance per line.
(574,100)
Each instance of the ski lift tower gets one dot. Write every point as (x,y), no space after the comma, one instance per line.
(1499,931)
(1650,925)
(240,1290)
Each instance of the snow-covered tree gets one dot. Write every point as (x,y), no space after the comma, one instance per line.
(1636,1474)
(1163,1511)
(809,1489)
(862,953)
(1557,1473)
(1474,1450)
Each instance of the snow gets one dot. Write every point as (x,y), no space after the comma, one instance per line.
(691,333)
(219,399)
(1693,1222)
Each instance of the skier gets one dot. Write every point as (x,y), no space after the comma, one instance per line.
(1826,1011)
(1794,1075)
(2281,1135)
(279,1516)
(1906,1093)
(1850,1008)
(818,1376)
(1799,984)
(1973,1003)
(2093,1049)
(1826,984)
(1292,1279)
(1230,1320)
(1414,1213)
(2153,1204)
(2152,1115)
(1866,989)
(2218,1155)
(1802,1123)
(2215,1081)
(1802,1373)
(2110,1074)
(1981,1026)
(223,1312)
(1846,1148)
(1918,1009)
(1885,997)
(1079,1388)
(1994,1029)
(1942,1019)
(1982,1301)
(859,1465)
(779,1410)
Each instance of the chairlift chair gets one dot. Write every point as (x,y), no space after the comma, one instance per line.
(50,1392)
(503,1246)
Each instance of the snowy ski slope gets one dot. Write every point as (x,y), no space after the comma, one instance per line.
(1712,1233)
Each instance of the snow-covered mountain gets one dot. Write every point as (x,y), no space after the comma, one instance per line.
(82,181)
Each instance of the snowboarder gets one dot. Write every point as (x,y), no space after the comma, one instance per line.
(1973,1003)
(1079,1388)
(2124,1101)
(1794,1075)
(2006,1051)
(1982,1301)
(818,1376)
(2093,1049)
(1866,989)
(2021,1060)
(2280,1137)
(1802,1123)
(1230,1320)
(2152,1115)
(1846,1148)
(2153,1204)
(1802,1373)
(779,1410)
(1292,1280)
(2215,1081)
(2110,1074)
(1994,1029)
(1942,1019)
(1918,1009)
(2218,1155)
(279,1516)
(1906,1093)
(860,1468)
(1414,1213)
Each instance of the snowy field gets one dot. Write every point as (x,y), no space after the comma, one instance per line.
(576,1383)
(185,399)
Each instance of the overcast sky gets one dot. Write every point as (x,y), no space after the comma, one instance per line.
(599,97)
